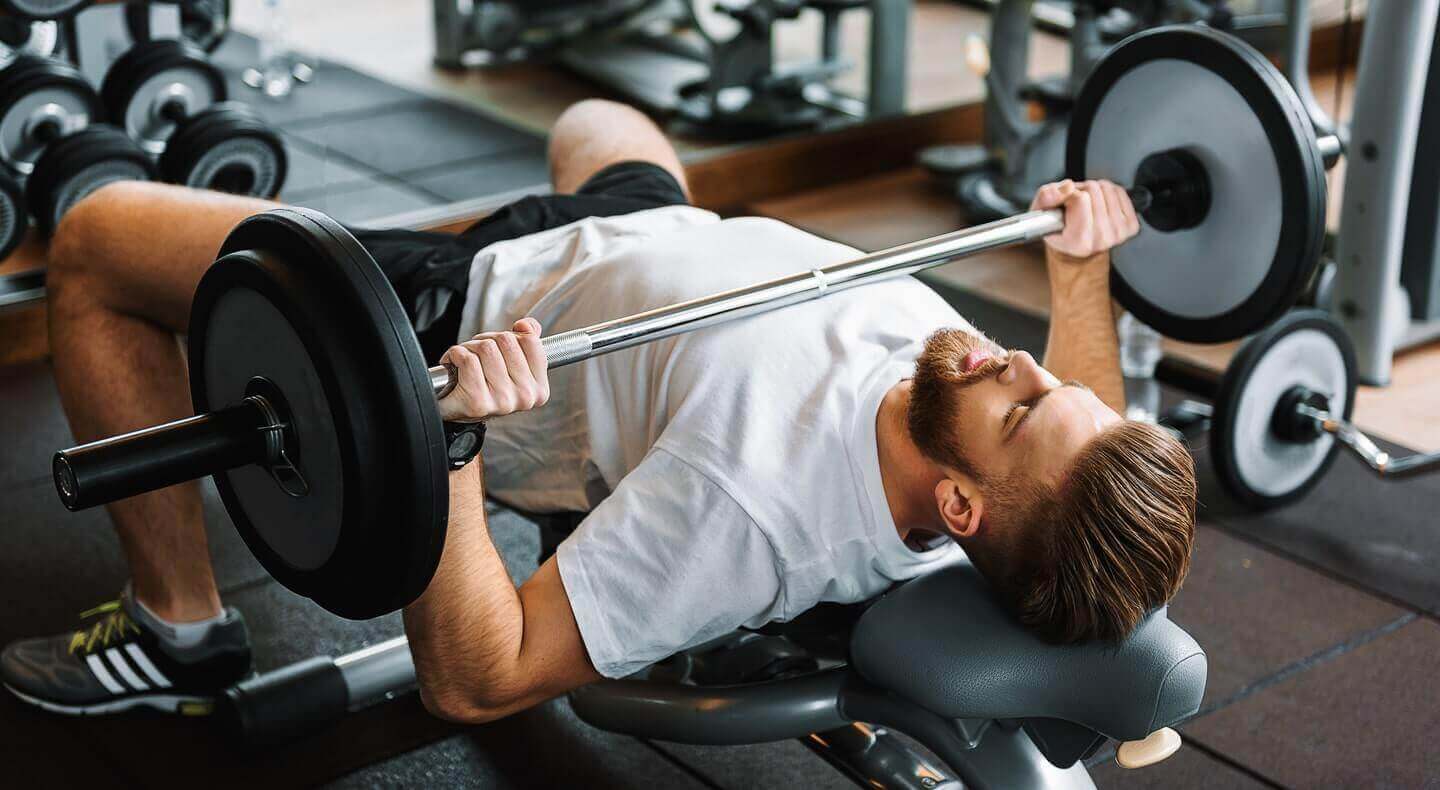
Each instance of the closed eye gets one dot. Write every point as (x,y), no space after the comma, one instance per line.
(1006,427)
(1029,409)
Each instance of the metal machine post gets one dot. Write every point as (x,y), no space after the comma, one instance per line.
(889,42)
(1389,91)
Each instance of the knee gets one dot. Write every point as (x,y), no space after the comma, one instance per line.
(82,232)
(586,119)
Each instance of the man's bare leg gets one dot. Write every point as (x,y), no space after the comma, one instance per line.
(124,264)
(594,134)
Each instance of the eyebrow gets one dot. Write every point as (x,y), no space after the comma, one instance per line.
(1033,404)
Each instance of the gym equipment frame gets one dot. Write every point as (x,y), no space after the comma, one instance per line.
(1015,713)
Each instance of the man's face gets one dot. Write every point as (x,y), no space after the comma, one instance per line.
(1016,420)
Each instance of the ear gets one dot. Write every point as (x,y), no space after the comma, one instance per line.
(961,504)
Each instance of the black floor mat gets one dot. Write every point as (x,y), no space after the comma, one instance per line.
(362,149)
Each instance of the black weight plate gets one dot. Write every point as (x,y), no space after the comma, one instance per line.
(35,90)
(226,147)
(13,219)
(21,37)
(1256,466)
(1211,95)
(42,9)
(151,73)
(79,164)
(296,300)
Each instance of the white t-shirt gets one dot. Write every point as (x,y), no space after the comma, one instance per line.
(731,474)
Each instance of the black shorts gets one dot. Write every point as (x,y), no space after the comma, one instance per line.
(431,271)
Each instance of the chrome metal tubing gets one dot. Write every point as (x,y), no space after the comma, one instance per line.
(580,344)
(1383,463)
(715,715)
(377,672)
(1330,147)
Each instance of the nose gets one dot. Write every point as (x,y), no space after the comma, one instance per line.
(1026,376)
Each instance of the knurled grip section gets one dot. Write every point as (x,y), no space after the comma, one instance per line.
(567,347)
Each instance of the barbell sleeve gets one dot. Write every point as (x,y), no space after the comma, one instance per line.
(163,455)
(578,345)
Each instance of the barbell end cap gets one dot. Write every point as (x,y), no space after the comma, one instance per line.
(65,483)
(444,378)
(1331,147)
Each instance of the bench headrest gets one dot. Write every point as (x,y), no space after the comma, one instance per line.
(944,642)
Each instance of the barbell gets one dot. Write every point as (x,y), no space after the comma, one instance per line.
(1282,413)
(318,417)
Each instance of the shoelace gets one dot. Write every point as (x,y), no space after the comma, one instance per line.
(113,626)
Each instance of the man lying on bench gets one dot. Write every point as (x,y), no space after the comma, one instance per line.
(733,476)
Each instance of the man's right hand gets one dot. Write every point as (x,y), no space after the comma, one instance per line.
(1098,216)
(499,373)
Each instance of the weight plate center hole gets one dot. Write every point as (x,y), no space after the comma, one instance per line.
(283,441)
(1179,188)
(237,179)
(1292,424)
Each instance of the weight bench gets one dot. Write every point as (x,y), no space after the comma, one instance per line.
(936,659)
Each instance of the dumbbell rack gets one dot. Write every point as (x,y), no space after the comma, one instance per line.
(180,120)
(77,33)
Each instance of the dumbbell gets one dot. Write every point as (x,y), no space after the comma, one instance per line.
(12,214)
(42,9)
(204,23)
(22,36)
(49,140)
(169,97)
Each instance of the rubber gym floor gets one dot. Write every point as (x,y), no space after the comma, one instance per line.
(1319,619)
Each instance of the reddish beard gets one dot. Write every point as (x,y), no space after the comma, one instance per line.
(937,395)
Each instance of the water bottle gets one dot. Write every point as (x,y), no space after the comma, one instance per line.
(274,74)
(1139,354)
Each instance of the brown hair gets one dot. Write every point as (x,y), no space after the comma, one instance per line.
(1114,540)
(1089,558)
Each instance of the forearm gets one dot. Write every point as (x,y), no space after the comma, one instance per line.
(465,631)
(1082,344)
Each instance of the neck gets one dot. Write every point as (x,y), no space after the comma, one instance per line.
(908,476)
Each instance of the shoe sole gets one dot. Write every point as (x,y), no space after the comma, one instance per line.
(166,703)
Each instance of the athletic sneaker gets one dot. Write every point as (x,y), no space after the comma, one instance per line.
(125,657)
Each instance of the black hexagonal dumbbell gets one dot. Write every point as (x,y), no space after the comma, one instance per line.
(169,97)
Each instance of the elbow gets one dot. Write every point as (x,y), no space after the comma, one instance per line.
(457,708)
(462,703)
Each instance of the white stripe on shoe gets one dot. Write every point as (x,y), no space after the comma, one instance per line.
(123,667)
(143,661)
(97,668)
(167,703)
